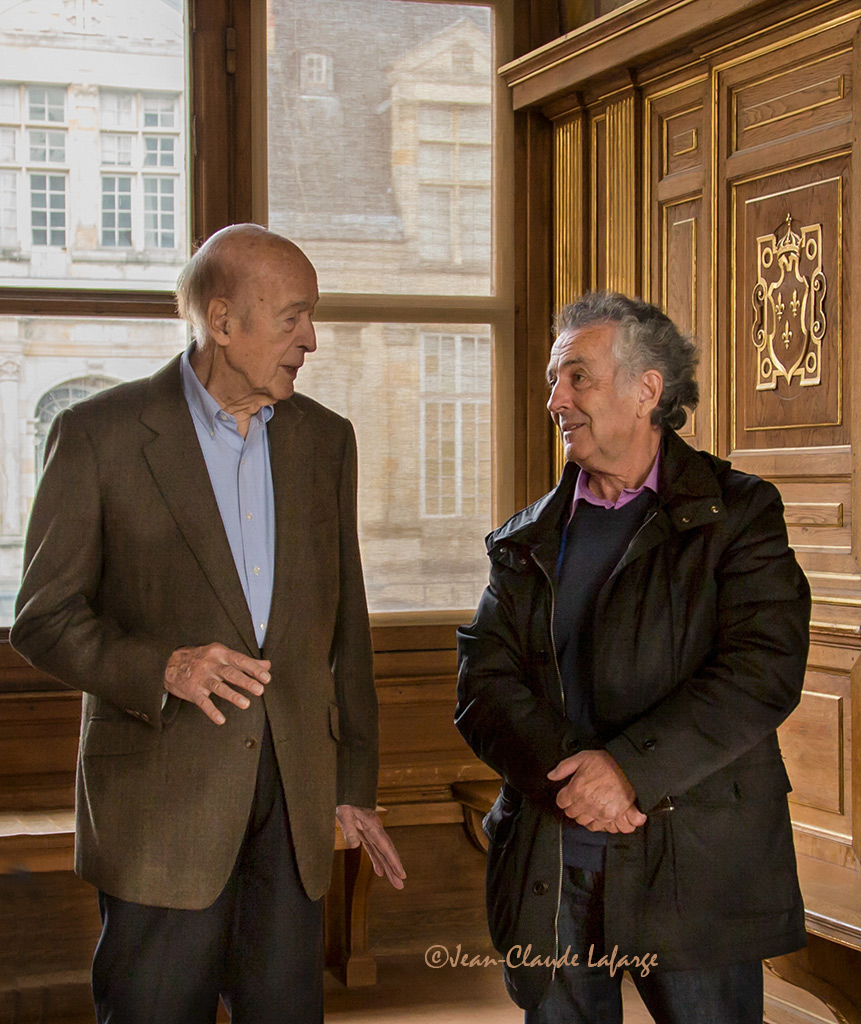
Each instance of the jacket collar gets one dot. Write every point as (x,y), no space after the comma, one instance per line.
(179,469)
(689,496)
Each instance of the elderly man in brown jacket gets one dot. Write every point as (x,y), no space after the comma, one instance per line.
(192,565)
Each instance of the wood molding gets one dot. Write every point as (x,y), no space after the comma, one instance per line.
(635,33)
(622,185)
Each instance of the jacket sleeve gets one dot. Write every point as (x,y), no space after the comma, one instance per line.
(501,712)
(59,627)
(352,654)
(753,678)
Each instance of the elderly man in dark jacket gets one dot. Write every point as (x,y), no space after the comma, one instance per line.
(643,635)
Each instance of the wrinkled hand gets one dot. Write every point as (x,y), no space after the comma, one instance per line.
(363,825)
(193,673)
(598,794)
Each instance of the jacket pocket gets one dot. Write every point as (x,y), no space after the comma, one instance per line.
(765,781)
(103,737)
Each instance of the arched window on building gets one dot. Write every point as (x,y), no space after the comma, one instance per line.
(59,398)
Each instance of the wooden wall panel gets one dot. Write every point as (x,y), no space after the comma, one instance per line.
(676,233)
(787,282)
(807,93)
(599,201)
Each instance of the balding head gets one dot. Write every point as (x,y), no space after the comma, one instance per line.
(226,264)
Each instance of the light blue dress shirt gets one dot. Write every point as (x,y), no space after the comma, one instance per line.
(241,478)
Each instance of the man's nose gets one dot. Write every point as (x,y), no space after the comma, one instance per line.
(309,337)
(557,400)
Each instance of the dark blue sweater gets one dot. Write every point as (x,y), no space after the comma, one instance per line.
(592,546)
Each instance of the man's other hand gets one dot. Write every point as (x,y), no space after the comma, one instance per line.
(363,825)
(194,673)
(598,794)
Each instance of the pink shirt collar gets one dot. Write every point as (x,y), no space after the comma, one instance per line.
(582,491)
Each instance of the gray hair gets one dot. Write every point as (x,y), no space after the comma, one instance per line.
(646,339)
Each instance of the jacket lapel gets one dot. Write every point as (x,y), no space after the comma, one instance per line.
(688,498)
(292,484)
(179,470)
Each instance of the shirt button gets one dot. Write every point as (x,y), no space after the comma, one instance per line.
(263,625)
(250,742)
(212,433)
(249,515)
(256,570)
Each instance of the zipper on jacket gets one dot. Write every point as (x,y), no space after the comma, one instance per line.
(562,694)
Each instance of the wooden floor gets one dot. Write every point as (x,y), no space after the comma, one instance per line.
(410,992)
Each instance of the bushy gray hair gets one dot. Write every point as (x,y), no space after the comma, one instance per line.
(646,339)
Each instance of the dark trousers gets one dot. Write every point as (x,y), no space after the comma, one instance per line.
(259,946)
(589,995)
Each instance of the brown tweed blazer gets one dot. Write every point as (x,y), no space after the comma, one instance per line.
(126,560)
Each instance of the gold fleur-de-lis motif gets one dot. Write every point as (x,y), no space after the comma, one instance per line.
(789,307)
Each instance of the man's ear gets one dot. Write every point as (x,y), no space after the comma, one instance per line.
(649,394)
(218,320)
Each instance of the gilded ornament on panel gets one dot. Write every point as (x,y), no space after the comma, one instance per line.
(789,307)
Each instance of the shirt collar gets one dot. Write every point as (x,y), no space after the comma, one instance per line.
(582,491)
(202,404)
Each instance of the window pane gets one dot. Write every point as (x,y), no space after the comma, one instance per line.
(116,149)
(419,397)
(116,211)
(70,111)
(8,208)
(9,103)
(49,363)
(7,145)
(368,102)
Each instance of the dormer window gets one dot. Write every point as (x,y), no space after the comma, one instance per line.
(316,74)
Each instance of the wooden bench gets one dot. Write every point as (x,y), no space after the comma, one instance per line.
(830,966)
(43,841)
(476,798)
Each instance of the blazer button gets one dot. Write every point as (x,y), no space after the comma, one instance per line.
(540,888)
(649,744)
(250,742)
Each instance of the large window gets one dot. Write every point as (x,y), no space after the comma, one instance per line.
(381,166)
(382,124)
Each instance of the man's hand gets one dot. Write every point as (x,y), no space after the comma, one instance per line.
(193,673)
(599,794)
(363,825)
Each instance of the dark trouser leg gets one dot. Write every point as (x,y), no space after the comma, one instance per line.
(260,943)
(275,949)
(156,964)
(581,994)
(724,995)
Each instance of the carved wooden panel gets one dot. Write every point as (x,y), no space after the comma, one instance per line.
(812,741)
(599,204)
(676,253)
(682,140)
(802,95)
(816,741)
(787,288)
(680,243)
